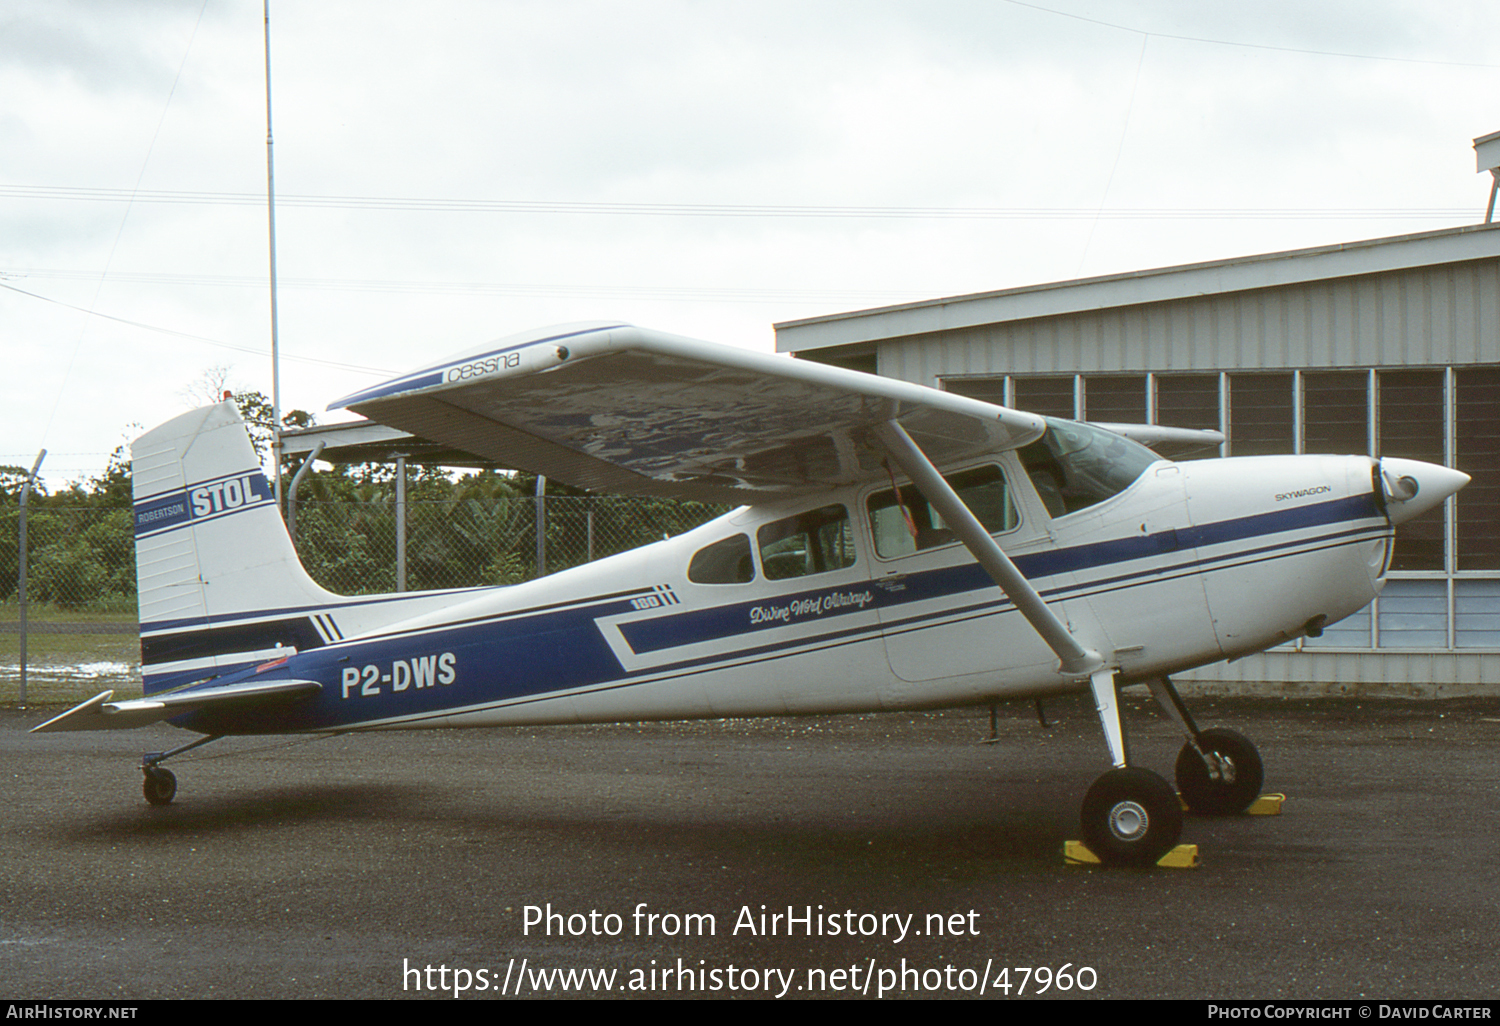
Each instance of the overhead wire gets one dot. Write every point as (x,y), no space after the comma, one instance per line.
(676,293)
(120,229)
(1140,62)
(769,210)
(1307,51)
(201,338)
(649,209)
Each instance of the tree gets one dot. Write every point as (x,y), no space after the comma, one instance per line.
(214,386)
(256,409)
(12,479)
(112,488)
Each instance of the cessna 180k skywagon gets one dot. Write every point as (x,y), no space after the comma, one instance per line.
(895,547)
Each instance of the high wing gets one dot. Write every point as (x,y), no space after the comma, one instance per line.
(621,409)
(99,713)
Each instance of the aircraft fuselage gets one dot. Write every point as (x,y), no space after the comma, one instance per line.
(1191,563)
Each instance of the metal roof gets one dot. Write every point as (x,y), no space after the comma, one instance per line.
(1268,270)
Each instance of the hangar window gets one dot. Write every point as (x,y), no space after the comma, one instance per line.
(991,390)
(1115,399)
(1409,413)
(814,542)
(1189,401)
(1262,421)
(1050,397)
(1336,412)
(1477,411)
(724,562)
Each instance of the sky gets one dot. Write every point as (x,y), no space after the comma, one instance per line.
(455,171)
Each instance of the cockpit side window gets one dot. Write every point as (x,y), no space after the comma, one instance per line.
(982,489)
(1074,465)
(814,542)
(726,561)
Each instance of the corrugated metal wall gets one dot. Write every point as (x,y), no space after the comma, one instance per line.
(1368,674)
(1428,316)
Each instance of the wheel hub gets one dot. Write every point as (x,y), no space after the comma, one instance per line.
(1220,768)
(1128,821)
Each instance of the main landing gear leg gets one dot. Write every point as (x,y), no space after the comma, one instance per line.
(1130,816)
(160,785)
(1219,772)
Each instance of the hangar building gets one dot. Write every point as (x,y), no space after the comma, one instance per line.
(1385,347)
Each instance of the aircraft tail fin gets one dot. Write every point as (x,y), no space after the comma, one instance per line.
(210,544)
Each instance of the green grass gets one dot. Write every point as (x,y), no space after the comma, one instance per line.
(45,612)
(70,649)
(54,661)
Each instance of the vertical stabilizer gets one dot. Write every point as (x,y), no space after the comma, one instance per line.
(210,543)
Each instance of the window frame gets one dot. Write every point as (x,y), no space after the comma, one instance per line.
(866,495)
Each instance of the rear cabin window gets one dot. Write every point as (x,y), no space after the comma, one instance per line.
(814,542)
(724,562)
(982,489)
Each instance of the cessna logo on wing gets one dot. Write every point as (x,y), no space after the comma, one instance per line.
(504,361)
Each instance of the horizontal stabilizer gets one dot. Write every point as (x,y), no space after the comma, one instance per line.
(99,713)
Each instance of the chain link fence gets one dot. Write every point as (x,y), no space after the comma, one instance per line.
(350,548)
(82,559)
(81,597)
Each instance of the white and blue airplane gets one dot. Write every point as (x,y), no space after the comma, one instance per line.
(896,547)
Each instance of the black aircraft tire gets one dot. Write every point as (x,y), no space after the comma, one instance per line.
(160,786)
(1208,797)
(1131,817)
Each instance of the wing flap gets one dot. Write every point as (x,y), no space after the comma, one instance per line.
(621,409)
(99,713)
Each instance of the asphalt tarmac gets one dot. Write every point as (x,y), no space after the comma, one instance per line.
(913,861)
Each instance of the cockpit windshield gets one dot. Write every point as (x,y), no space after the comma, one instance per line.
(1075,465)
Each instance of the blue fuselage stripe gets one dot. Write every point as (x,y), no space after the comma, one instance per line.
(673,631)
(510,657)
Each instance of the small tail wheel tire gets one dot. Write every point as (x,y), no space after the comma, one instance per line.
(160,786)
(1131,817)
(1229,788)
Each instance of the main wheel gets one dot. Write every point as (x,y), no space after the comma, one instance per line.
(1232,786)
(160,786)
(1131,817)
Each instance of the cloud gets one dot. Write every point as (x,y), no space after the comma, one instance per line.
(814,103)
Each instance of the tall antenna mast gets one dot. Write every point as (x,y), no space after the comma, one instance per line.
(271,218)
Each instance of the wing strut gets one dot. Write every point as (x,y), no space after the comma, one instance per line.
(1077,661)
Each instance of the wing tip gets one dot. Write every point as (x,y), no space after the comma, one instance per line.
(431,374)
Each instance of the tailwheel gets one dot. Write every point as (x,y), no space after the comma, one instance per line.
(1225,779)
(160,786)
(1131,817)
